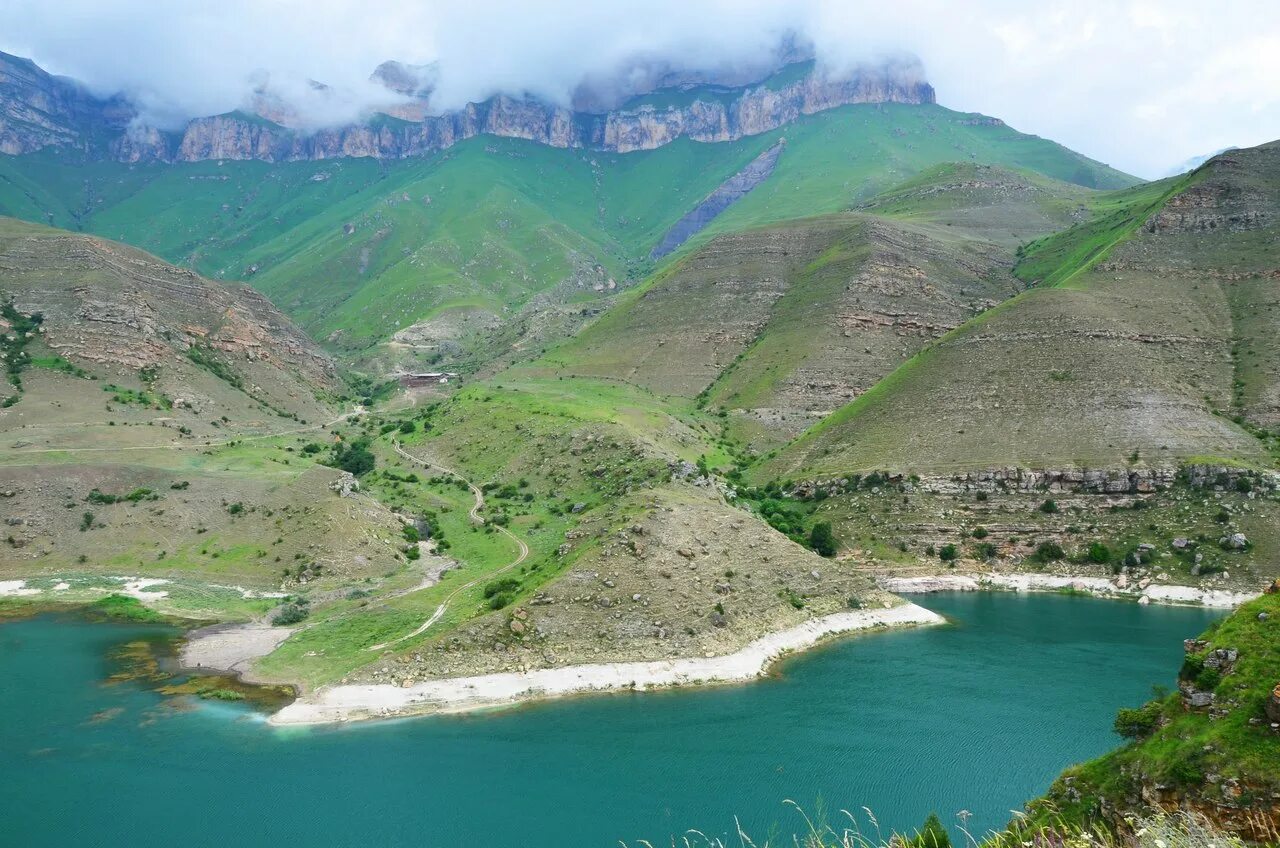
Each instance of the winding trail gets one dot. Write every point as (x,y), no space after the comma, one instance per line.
(474,515)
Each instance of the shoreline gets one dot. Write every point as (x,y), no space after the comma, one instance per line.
(1099,587)
(348,703)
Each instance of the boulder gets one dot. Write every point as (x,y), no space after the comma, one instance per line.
(1272,705)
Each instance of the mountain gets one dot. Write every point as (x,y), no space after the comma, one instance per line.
(358,250)
(143,430)
(41,110)
(1149,332)
(214,358)
(778,325)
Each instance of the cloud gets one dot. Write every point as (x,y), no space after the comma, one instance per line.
(1136,83)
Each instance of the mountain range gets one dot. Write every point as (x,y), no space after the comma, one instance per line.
(40,110)
(523,386)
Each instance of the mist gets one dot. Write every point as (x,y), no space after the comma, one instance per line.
(1137,84)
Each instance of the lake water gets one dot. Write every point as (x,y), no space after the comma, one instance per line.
(978,715)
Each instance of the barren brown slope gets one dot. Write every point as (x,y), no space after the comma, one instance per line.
(177,346)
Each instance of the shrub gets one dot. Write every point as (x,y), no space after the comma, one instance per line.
(1049,551)
(500,586)
(979,532)
(1049,507)
(290,613)
(822,540)
(500,600)
(353,458)
(987,550)
(1138,723)
(792,598)
(948,553)
(408,426)
(1099,553)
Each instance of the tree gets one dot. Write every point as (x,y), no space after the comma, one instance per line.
(1099,553)
(822,540)
(353,458)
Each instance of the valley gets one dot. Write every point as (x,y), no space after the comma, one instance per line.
(444,413)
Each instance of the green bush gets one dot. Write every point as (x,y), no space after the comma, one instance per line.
(1049,551)
(290,613)
(500,586)
(354,458)
(1138,723)
(822,539)
(1049,507)
(948,553)
(1099,553)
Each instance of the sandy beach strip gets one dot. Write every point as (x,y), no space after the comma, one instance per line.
(1100,586)
(461,694)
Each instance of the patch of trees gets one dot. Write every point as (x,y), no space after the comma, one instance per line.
(353,457)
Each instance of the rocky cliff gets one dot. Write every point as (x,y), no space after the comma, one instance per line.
(38,110)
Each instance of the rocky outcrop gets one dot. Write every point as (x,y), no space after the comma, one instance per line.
(1100,481)
(38,111)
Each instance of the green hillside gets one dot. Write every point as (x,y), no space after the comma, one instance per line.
(358,249)
(780,325)
(1149,338)
(1218,759)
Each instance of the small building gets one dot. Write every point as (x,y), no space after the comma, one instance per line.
(427,378)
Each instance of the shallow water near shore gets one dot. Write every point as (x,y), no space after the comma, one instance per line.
(977,715)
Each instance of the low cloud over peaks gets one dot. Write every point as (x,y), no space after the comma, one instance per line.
(1138,84)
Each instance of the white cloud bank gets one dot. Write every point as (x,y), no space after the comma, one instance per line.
(1139,84)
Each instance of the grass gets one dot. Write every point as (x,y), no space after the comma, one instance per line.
(124,608)
(849,830)
(1191,744)
(1085,369)
(506,219)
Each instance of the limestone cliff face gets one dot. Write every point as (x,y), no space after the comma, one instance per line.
(38,111)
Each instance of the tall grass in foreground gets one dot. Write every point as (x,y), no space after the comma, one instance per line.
(1159,830)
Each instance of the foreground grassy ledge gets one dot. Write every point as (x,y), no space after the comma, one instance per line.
(1212,747)
(357,702)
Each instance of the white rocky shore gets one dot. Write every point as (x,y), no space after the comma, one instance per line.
(1145,592)
(462,694)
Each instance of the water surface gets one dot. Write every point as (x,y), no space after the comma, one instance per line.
(979,715)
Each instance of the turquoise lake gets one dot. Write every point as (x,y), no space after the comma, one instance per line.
(978,715)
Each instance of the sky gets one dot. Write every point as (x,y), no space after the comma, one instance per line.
(1143,85)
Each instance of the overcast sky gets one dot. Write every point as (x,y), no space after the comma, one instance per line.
(1140,84)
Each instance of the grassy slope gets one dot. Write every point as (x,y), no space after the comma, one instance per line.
(1239,748)
(782,323)
(1060,375)
(507,218)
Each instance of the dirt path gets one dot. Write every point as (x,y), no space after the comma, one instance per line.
(474,514)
